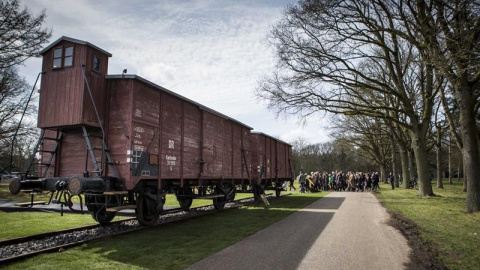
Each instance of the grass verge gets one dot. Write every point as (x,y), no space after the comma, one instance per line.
(172,246)
(171,200)
(21,197)
(442,222)
(18,224)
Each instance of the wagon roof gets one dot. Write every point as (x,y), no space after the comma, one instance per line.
(266,135)
(77,41)
(136,77)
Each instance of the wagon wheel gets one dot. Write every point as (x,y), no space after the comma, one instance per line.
(96,207)
(219,203)
(100,215)
(184,197)
(147,210)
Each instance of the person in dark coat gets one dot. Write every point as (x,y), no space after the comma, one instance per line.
(291,184)
(391,178)
(375,181)
(302,179)
(369,182)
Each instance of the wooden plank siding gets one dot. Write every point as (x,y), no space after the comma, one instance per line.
(190,143)
(272,155)
(64,100)
(120,127)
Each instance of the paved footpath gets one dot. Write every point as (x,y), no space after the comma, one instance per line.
(344,230)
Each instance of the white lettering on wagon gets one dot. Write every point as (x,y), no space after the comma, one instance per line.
(139,129)
(138,113)
(171,144)
(138,148)
(171,160)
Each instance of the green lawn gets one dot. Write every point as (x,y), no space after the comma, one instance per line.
(171,200)
(18,224)
(45,196)
(175,245)
(442,220)
(21,197)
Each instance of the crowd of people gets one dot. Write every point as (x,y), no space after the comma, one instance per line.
(338,181)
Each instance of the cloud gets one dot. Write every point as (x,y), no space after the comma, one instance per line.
(211,51)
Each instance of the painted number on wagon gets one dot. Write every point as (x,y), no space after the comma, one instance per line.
(139,129)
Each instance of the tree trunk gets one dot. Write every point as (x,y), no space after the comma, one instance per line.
(411,166)
(421,158)
(439,169)
(394,161)
(383,173)
(439,157)
(470,151)
(404,162)
(450,181)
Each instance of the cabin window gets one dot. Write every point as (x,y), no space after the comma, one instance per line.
(63,55)
(96,63)
(68,61)
(57,58)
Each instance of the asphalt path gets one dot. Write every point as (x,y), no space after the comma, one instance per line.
(344,230)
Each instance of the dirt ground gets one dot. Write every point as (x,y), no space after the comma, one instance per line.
(424,253)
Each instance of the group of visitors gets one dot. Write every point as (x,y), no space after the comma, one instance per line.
(338,181)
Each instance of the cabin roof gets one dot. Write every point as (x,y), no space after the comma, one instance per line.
(73,40)
(266,135)
(135,77)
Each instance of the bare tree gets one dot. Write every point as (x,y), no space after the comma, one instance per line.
(328,156)
(450,34)
(21,34)
(369,136)
(13,97)
(439,125)
(346,57)
(393,153)
(21,37)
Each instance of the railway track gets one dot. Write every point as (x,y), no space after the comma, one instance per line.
(20,248)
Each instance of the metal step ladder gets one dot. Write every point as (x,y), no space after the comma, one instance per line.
(99,164)
(40,148)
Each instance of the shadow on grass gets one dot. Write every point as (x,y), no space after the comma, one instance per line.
(180,244)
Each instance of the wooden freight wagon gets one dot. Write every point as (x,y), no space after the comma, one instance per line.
(271,161)
(175,142)
(124,142)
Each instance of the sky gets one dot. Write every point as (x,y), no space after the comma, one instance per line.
(211,51)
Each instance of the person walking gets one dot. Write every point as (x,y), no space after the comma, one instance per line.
(375,181)
(302,179)
(292,180)
(391,178)
(369,182)
(351,182)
